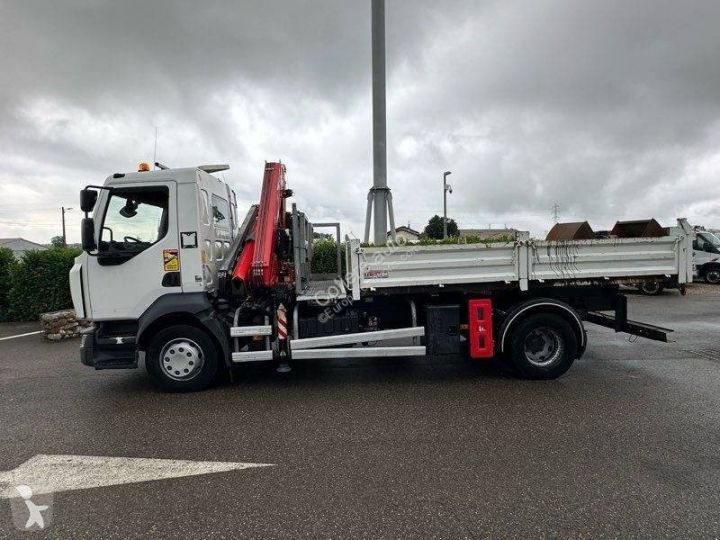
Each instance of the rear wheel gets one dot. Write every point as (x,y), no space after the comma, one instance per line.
(712,276)
(181,358)
(543,346)
(651,288)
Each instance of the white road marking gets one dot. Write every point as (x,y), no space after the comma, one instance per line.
(55,473)
(21,335)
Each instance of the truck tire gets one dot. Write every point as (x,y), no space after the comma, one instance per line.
(651,288)
(712,275)
(181,358)
(543,346)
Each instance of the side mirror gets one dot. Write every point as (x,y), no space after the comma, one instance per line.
(87,233)
(88,198)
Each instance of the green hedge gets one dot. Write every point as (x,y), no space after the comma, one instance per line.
(7,261)
(39,283)
(325,257)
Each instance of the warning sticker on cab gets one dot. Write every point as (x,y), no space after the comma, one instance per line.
(171,260)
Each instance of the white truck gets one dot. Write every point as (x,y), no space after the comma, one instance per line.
(169,274)
(707,256)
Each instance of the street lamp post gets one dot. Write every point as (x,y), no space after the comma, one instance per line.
(447,188)
(63,224)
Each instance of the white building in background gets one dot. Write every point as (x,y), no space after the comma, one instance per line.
(19,246)
(406,235)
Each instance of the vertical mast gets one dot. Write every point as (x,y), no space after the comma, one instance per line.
(379,198)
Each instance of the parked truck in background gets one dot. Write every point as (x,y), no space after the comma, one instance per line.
(706,263)
(706,252)
(169,274)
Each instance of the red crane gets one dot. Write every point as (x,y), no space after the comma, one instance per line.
(258,265)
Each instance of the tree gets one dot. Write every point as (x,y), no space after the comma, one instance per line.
(434,228)
(7,262)
(39,283)
(57,241)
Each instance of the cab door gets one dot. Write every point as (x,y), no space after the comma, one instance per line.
(138,259)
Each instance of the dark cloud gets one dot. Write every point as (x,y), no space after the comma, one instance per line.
(608,108)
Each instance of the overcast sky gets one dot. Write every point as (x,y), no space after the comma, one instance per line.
(609,108)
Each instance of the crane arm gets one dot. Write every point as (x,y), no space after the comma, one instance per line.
(257,265)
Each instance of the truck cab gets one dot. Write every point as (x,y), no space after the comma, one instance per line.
(706,253)
(152,242)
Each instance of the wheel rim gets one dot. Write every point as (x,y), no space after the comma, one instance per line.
(713,276)
(181,359)
(543,346)
(651,288)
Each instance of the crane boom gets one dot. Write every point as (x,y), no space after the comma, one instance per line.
(258,265)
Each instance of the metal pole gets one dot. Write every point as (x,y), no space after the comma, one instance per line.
(444,209)
(379,121)
(445,192)
(368,216)
(155,148)
(63,225)
(391,215)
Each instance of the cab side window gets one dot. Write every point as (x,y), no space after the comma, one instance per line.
(220,212)
(700,243)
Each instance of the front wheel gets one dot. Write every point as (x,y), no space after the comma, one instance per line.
(181,358)
(543,346)
(712,276)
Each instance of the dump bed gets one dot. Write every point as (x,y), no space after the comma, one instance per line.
(521,262)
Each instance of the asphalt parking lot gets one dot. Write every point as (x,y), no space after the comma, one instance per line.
(627,444)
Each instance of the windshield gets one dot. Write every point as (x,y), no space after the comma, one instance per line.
(711,239)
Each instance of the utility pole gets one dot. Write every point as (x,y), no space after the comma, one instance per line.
(379,198)
(446,188)
(63,224)
(556,213)
(155,149)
